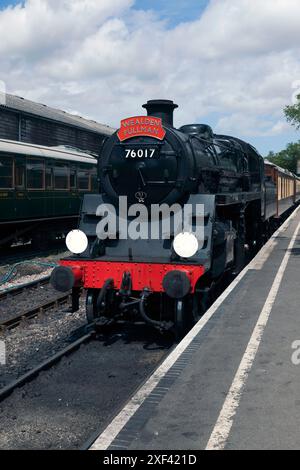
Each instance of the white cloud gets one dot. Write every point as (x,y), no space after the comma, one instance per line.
(239,60)
(42,25)
(249,125)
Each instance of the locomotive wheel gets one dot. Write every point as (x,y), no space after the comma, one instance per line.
(91,305)
(99,302)
(105,299)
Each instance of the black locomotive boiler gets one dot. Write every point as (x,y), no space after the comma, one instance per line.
(151,162)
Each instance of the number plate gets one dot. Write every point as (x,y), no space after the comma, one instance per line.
(140,153)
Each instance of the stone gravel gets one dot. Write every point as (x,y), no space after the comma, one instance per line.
(30,270)
(35,340)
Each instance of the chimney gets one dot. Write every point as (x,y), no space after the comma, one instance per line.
(162,109)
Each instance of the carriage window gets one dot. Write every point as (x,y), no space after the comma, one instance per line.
(35,173)
(73,179)
(83,176)
(19,174)
(6,172)
(94,182)
(49,178)
(61,176)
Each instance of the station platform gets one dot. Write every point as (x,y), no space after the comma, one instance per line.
(234,380)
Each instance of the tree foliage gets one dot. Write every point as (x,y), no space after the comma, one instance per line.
(292,113)
(288,157)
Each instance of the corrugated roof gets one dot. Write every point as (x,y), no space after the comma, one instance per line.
(30,107)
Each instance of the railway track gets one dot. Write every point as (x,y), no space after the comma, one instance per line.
(58,300)
(13,291)
(15,320)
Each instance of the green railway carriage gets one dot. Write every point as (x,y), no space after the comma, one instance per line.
(41,189)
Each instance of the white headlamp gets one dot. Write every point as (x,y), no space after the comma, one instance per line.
(185,244)
(76,241)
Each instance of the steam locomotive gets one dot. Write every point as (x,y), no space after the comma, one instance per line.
(169,281)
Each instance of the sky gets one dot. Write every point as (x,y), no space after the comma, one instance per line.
(233,64)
